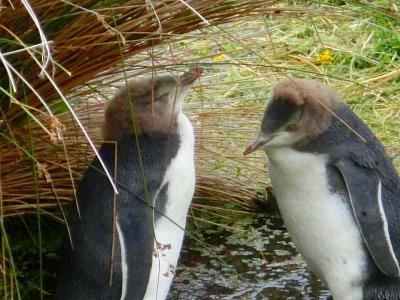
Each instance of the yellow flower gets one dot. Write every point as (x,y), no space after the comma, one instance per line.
(219,58)
(324,58)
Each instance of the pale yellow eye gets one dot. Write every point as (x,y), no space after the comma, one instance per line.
(292,124)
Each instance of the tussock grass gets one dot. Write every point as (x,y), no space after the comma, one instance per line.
(90,42)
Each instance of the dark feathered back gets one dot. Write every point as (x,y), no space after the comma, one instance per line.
(341,143)
(85,271)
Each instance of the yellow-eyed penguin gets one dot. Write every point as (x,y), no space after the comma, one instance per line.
(336,188)
(154,168)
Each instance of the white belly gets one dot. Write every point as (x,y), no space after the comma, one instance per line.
(319,222)
(169,229)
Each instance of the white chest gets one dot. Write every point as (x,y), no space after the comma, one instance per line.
(169,229)
(319,222)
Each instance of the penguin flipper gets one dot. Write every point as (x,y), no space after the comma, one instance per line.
(135,234)
(365,193)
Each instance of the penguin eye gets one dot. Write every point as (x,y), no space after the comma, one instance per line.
(295,118)
(163,98)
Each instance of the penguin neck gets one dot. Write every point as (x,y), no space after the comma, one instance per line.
(289,158)
(178,186)
(279,154)
(185,130)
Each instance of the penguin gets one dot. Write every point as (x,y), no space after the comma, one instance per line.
(337,190)
(126,246)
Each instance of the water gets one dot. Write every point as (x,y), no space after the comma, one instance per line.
(260,263)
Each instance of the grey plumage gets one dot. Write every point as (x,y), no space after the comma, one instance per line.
(117,238)
(310,119)
(86,268)
(363,164)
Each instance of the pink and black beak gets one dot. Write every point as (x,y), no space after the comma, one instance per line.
(257,142)
(191,75)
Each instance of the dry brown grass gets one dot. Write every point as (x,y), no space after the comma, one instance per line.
(89,38)
(90,43)
(225,106)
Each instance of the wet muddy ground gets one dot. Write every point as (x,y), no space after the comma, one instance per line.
(260,263)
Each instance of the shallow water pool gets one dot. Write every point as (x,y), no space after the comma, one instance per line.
(260,263)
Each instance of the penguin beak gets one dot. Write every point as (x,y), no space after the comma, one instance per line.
(256,144)
(191,75)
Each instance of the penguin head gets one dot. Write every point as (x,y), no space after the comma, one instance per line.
(298,112)
(147,106)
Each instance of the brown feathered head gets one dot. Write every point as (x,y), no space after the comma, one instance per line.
(147,106)
(299,111)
